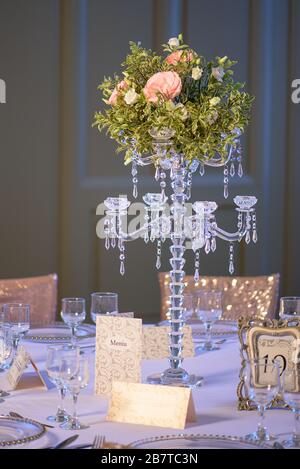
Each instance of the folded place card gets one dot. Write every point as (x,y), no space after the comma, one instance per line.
(156,342)
(118,351)
(16,377)
(146,404)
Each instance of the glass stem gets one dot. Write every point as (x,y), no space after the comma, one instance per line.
(261,430)
(73,336)
(296,432)
(208,333)
(62,394)
(15,342)
(75,398)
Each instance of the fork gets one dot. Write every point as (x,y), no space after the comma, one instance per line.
(98,442)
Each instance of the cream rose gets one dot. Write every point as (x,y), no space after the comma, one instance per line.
(173,42)
(218,73)
(162,86)
(214,101)
(197,73)
(131,96)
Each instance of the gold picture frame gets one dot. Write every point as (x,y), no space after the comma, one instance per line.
(265,339)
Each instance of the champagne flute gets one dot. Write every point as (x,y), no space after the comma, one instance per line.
(261,380)
(73,314)
(291,395)
(103,303)
(74,382)
(209,310)
(55,355)
(17,317)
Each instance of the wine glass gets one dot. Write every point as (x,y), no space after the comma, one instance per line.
(55,356)
(291,395)
(261,380)
(6,352)
(289,307)
(103,303)
(73,314)
(16,316)
(74,382)
(209,310)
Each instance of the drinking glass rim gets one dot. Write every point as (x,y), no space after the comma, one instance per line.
(104,294)
(74,299)
(290,298)
(62,347)
(15,305)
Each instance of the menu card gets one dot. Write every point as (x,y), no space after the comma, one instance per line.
(16,376)
(118,351)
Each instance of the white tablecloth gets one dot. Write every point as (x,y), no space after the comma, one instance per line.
(215,402)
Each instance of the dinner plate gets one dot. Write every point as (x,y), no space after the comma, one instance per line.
(16,431)
(58,332)
(192,441)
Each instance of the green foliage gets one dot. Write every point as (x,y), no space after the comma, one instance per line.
(199,125)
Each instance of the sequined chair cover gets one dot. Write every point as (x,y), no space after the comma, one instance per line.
(39,292)
(254,297)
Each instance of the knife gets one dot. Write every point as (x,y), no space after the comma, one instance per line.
(66,442)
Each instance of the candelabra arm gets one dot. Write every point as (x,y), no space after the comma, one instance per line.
(231,237)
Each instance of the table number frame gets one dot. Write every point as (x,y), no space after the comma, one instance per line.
(249,332)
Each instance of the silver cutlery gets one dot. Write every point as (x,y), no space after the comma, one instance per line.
(278,445)
(64,443)
(98,442)
(18,416)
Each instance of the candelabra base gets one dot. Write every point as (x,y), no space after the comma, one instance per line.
(178,377)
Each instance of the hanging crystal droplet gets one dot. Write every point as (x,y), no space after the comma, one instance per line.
(158,263)
(248,237)
(122,268)
(213,244)
(197,263)
(225,182)
(240,169)
(231,264)
(134,180)
(107,243)
(202,169)
(158,254)
(207,246)
(113,242)
(157,173)
(232,169)
(254,236)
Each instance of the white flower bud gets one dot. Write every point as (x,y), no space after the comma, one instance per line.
(131,96)
(173,42)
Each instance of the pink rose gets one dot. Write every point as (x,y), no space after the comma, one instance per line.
(179,56)
(116,92)
(165,85)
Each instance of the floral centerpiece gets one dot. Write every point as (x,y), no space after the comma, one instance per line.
(198,99)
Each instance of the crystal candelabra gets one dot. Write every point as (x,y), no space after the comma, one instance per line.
(199,228)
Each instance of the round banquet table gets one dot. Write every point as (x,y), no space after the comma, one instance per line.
(215,403)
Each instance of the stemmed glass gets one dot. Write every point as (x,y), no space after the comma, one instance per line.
(291,395)
(16,316)
(73,314)
(209,310)
(289,307)
(103,303)
(74,382)
(55,356)
(6,351)
(261,380)
(188,306)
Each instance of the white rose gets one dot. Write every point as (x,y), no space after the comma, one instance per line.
(214,101)
(173,42)
(131,96)
(197,73)
(218,73)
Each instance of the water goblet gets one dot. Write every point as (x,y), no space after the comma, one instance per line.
(261,380)
(55,356)
(73,314)
(289,307)
(74,382)
(103,303)
(6,352)
(291,395)
(209,310)
(16,316)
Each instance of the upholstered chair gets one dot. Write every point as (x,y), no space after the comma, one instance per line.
(39,292)
(253,297)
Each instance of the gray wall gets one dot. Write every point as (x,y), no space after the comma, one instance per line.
(55,169)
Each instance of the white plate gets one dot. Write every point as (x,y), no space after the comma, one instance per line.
(197,442)
(58,333)
(15,431)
